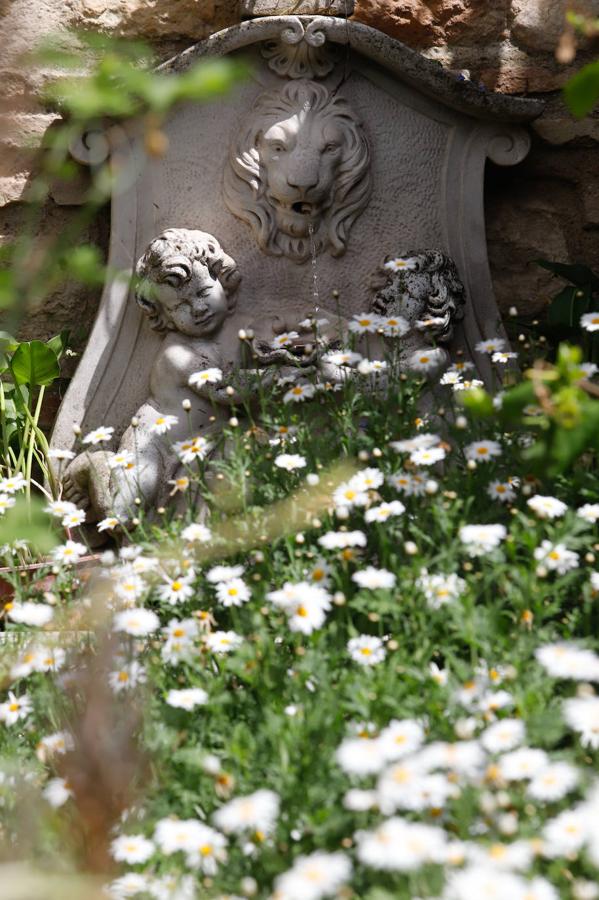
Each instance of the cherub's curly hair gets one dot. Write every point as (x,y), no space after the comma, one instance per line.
(172,249)
(433,280)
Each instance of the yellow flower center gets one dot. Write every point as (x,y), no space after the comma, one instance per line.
(365,651)
(123,676)
(14,707)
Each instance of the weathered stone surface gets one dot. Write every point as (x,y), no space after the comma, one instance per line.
(154,19)
(435,22)
(72,305)
(547,208)
(297,7)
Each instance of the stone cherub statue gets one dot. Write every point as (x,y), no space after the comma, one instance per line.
(424,290)
(186,286)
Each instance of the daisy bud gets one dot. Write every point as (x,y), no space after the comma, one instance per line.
(186,404)
(513,311)
(504,799)
(249,886)
(465,728)
(431,486)
(487,803)
(339,598)
(589,557)
(229,391)
(471,464)
(377,452)
(335,293)
(521,338)
(342,512)
(541,572)
(316,523)
(300,539)
(135,521)
(250,334)
(363,455)
(461,422)
(392,645)
(410,548)
(137,501)
(233,421)
(134,422)
(312,478)
(161,510)
(242,334)
(76,428)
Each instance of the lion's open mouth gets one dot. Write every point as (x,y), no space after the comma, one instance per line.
(302,208)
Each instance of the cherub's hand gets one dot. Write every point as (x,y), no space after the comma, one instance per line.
(263,354)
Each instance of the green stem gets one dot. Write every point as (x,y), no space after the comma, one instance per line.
(32,441)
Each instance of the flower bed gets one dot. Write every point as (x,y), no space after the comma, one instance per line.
(369,673)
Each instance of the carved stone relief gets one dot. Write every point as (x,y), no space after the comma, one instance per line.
(300,51)
(299,172)
(381,150)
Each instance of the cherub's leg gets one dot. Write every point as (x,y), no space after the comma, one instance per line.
(86,482)
(143,481)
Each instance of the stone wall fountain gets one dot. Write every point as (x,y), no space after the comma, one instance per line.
(344,150)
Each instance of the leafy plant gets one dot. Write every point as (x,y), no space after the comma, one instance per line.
(573,301)
(26,369)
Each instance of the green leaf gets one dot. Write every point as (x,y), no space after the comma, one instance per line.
(34,363)
(59,343)
(577,273)
(567,307)
(581,93)
(28,521)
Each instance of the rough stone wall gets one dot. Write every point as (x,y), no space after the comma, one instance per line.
(547,207)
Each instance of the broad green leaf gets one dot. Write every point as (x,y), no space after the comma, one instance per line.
(35,364)
(578,274)
(567,307)
(581,93)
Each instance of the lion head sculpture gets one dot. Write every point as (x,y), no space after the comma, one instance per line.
(299,171)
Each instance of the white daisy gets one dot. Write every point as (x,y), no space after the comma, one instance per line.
(366,650)
(222,641)
(132,848)
(68,553)
(402,264)
(384,511)
(196,533)
(364,323)
(187,698)
(502,491)
(123,459)
(482,451)
(192,449)
(590,321)
(481,539)
(13,484)
(206,376)
(163,423)
(303,390)
(547,507)
(137,622)
(556,557)
(374,579)
(491,345)
(425,361)
(589,512)
(284,340)
(99,435)
(233,592)
(290,461)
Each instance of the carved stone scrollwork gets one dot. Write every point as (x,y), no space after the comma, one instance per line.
(300,51)
(299,171)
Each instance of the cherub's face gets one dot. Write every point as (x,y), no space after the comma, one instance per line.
(194,302)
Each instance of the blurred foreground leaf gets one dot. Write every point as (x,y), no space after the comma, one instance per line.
(28,521)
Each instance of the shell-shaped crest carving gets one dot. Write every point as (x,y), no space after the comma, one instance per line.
(300,51)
